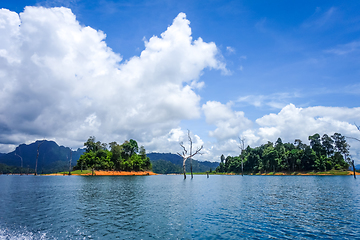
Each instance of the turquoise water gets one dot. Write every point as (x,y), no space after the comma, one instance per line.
(168,207)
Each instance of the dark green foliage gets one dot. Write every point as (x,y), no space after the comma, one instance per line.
(120,157)
(165,167)
(322,154)
(5,169)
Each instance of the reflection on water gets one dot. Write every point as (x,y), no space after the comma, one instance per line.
(167,207)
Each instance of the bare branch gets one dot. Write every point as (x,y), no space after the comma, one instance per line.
(190,140)
(357,126)
(181,144)
(353,138)
(196,152)
(242,148)
(241,143)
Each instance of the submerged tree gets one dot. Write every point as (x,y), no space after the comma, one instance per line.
(354,137)
(21,159)
(37,156)
(242,148)
(70,162)
(186,156)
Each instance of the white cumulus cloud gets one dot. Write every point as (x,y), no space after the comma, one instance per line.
(289,123)
(60,80)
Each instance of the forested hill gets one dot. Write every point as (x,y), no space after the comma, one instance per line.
(172,163)
(52,157)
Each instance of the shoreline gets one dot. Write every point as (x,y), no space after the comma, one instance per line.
(106,173)
(328,173)
(149,173)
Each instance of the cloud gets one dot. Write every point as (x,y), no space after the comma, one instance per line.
(229,123)
(230,50)
(321,19)
(289,123)
(59,80)
(276,100)
(298,123)
(344,49)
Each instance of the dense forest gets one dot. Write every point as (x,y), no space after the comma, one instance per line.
(125,157)
(5,169)
(322,154)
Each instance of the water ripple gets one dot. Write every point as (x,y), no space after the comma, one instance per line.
(167,207)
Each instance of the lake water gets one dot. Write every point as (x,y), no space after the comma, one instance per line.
(168,207)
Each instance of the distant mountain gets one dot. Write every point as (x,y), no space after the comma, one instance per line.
(165,167)
(55,158)
(52,157)
(172,163)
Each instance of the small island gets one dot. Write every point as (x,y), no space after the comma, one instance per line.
(124,159)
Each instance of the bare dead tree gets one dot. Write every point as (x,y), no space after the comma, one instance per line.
(242,148)
(190,141)
(185,155)
(357,126)
(70,162)
(21,166)
(353,138)
(353,162)
(37,156)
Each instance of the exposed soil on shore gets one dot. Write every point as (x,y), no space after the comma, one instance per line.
(109,173)
(121,173)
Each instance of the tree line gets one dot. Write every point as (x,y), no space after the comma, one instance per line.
(125,157)
(322,154)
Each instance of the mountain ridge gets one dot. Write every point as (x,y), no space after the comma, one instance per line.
(54,158)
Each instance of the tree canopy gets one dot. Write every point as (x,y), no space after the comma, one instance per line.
(122,157)
(322,153)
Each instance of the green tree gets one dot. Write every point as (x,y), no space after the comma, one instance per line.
(341,146)
(222,158)
(327,144)
(308,159)
(315,143)
(120,157)
(116,157)
(91,145)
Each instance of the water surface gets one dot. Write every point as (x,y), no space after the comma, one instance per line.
(168,207)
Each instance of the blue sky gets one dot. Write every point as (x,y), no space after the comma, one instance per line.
(271,69)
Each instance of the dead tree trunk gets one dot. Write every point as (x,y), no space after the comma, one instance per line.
(192,176)
(353,165)
(70,162)
(184,168)
(190,141)
(185,156)
(242,148)
(21,165)
(37,157)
